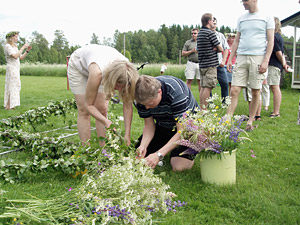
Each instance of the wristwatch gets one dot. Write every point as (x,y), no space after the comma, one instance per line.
(160,156)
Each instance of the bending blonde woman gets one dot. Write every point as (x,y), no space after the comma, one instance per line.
(95,72)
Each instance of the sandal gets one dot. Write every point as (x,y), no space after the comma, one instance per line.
(249,127)
(244,118)
(257,118)
(274,115)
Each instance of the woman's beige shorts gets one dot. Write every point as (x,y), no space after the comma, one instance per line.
(77,80)
(274,75)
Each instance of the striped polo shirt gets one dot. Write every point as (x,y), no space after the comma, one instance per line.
(176,100)
(206,41)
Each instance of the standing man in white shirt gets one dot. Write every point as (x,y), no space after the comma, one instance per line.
(253,46)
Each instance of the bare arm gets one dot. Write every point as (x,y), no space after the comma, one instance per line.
(225,54)
(148,134)
(127,112)
(187,53)
(219,48)
(152,159)
(234,48)
(19,53)
(281,58)
(23,56)
(93,83)
(270,39)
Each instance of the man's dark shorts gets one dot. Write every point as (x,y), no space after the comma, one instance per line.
(161,137)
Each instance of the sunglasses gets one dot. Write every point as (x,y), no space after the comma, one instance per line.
(244,0)
(195,33)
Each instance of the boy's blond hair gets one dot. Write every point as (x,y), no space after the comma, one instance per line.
(146,88)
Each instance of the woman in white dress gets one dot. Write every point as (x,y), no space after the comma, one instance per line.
(12,79)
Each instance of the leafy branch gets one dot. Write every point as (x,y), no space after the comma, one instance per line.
(39,115)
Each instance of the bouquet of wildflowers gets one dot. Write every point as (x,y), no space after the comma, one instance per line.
(211,130)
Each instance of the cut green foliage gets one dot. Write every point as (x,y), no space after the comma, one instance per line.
(267,188)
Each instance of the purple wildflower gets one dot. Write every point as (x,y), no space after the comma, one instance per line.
(234,134)
(171,206)
(104,152)
(215,147)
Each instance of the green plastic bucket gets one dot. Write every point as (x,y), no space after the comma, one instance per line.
(219,171)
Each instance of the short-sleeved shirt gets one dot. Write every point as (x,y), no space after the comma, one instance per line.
(189,45)
(177,98)
(99,54)
(206,41)
(224,45)
(253,28)
(9,51)
(278,46)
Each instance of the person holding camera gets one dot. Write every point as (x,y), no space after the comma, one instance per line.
(12,78)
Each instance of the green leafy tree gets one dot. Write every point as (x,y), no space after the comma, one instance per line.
(117,40)
(164,30)
(54,57)
(95,39)
(40,51)
(73,48)
(2,56)
(127,54)
(162,48)
(224,30)
(107,42)
(175,49)
(61,47)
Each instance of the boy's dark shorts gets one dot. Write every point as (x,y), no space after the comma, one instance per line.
(161,137)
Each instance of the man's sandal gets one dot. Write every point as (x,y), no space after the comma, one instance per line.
(249,127)
(274,115)
(257,118)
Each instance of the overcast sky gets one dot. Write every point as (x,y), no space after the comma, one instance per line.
(80,19)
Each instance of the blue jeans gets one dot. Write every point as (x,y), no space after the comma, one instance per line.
(223,81)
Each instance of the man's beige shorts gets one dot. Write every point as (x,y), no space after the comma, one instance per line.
(192,71)
(274,74)
(208,77)
(77,80)
(246,71)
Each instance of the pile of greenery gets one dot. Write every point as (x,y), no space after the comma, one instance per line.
(116,187)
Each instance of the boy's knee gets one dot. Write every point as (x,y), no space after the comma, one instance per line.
(179,164)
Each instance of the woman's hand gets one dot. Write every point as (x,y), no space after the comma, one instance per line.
(141,152)
(127,140)
(25,46)
(107,123)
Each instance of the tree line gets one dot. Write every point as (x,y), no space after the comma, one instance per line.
(163,45)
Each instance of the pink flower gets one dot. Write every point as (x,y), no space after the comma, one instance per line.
(252,155)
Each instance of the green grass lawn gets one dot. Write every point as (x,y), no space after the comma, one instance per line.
(267,189)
